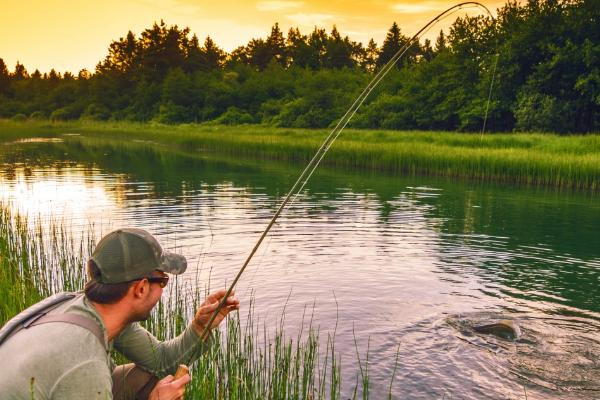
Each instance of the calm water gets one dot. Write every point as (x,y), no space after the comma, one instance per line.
(401,261)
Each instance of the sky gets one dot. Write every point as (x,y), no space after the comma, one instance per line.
(70,35)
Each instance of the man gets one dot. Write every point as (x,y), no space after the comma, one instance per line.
(65,354)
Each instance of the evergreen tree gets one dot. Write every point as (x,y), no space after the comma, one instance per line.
(238,56)
(317,42)
(440,42)
(359,55)
(20,72)
(297,48)
(122,55)
(259,53)
(195,59)
(162,48)
(427,52)
(371,55)
(214,56)
(391,44)
(276,46)
(206,58)
(4,78)
(338,51)
(53,76)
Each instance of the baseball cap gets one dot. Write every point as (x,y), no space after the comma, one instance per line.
(130,253)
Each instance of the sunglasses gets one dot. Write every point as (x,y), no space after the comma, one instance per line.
(161,280)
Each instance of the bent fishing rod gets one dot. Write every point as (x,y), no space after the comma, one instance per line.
(335,132)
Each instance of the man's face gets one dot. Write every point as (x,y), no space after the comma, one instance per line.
(152,297)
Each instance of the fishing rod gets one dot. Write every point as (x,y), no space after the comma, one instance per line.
(335,132)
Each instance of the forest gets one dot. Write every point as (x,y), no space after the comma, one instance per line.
(538,63)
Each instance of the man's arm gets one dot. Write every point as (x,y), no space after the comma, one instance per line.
(158,358)
(162,358)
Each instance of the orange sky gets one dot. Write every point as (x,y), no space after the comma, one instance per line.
(73,34)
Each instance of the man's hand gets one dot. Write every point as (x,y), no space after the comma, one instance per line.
(170,388)
(207,309)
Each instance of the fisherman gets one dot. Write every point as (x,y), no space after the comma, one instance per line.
(65,353)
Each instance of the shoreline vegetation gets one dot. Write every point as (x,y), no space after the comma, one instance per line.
(247,361)
(507,73)
(533,159)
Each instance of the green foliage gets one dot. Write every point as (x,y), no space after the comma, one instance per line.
(96,112)
(235,116)
(540,58)
(72,111)
(37,115)
(538,112)
(270,110)
(171,113)
(19,117)
(387,112)
(177,88)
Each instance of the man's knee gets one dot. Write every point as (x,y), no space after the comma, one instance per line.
(130,382)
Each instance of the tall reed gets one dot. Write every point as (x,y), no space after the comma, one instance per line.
(244,361)
(36,262)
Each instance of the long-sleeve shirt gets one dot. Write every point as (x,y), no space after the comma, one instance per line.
(64,361)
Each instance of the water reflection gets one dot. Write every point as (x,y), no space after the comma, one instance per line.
(388,258)
(54,192)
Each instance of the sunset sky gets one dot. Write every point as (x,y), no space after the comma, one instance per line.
(73,34)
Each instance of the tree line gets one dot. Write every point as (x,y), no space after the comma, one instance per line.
(536,67)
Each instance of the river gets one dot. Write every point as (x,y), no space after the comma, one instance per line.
(390,263)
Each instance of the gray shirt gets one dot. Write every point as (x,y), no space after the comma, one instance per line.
(65,361)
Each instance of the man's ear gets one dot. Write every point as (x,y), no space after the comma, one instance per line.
(140,288)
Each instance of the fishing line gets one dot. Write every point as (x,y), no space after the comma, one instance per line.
(335,132)
(487,107)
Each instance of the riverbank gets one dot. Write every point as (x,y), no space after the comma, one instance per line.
(570,162)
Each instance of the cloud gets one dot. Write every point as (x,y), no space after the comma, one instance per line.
(278,5)
(416,8)
(175,7)
(319,20)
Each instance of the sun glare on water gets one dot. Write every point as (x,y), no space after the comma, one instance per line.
(70,197)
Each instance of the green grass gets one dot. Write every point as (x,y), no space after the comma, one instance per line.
(531,159)
(245,362)
(35,263)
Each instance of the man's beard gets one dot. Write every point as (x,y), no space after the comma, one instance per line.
(142,315)
(145,317)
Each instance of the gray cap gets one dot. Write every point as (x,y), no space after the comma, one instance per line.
(129,253)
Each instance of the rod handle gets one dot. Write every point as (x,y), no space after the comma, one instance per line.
(181,371)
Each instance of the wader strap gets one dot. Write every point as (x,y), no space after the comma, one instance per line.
(74,319)
(32,313)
